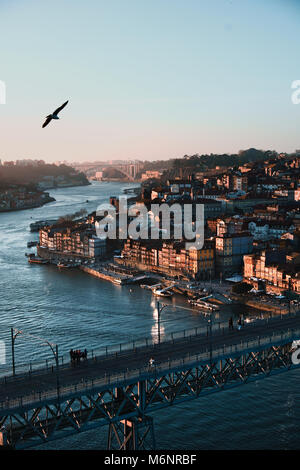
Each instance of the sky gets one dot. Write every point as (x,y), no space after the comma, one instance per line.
(148,79)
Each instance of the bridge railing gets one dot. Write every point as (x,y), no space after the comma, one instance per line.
(109,350)
(214,328)
(49,364)
(118,378)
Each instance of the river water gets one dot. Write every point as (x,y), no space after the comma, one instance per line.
(75,310)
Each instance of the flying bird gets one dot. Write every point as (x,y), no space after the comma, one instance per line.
(54,114)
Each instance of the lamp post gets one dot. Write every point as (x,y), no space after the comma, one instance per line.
(210,338)
(159,310)
(55,354)
(14,333)
(53,347)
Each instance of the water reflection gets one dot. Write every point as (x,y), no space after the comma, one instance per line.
(158,329)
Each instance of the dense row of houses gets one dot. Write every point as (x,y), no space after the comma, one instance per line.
(273,271)
(171,258)
(72,239)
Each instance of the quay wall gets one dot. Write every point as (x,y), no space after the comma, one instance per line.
(264,306)
(55,256)
(106,276)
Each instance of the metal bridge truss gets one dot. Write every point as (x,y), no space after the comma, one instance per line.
(125,407)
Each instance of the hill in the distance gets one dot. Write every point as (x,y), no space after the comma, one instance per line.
(46,176)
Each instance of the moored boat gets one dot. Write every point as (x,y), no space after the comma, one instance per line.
(36,226)
(162,293)
(37,260)
(30,244)
(64,265)
(204,305)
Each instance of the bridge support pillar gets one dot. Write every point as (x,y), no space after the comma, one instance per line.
(132,434)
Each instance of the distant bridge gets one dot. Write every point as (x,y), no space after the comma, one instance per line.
(129,169)
(118,389)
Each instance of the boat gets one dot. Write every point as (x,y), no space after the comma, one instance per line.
(30,244)
(204,305)
(36,226)
(162,292)
(131,190)
(64,265)
(37,260)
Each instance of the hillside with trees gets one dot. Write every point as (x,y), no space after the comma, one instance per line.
(56,175)
(198,163)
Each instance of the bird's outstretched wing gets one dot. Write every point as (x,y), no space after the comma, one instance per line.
(48,119)
(61,107)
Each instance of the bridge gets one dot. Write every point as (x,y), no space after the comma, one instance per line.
(116,388)
(129,169)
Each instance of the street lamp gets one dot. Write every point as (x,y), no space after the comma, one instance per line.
(55,354)
(54,348)
(159,310)
(14,333)
(210,338)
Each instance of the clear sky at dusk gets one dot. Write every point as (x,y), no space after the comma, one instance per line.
(148,79)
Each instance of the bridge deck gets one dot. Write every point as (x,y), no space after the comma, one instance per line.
(124,365)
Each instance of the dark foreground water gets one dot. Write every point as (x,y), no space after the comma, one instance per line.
(75,310)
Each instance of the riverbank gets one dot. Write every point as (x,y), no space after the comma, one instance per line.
(121,278)
(70,184)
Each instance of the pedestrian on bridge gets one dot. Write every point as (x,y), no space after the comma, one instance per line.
(77,355)
(151,363)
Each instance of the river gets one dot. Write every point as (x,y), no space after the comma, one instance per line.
(75,310)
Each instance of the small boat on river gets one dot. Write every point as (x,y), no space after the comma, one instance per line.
(35,259)
(162,292)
